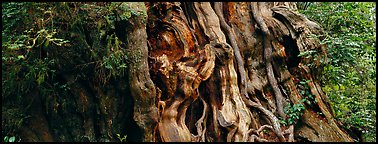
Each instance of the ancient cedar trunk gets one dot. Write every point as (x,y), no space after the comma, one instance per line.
(226,71)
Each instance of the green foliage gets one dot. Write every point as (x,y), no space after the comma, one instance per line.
(39,41)
(115,62)
(123,139)
(111,59)
(304,90)
(115,11)
(316,59)
(9,139)
(293,112)
(13,119)
(43,42)
(25,63)
(349,78)
(307,54)
(14,15)
(303,5)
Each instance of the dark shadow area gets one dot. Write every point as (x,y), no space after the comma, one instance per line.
(292,52)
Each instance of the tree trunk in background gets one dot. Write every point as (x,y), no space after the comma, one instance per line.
(201,71)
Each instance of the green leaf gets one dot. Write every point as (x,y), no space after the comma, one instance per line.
(40,79)
(12,139)
(108,67)
(20,57)
(13,46)
(46,44)
(123,66)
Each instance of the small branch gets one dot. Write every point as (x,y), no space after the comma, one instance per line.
(264,127)
(255,137)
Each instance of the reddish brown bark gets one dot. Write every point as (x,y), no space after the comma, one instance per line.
(247,85)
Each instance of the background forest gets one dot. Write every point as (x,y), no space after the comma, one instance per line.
(349,78)
(34,34)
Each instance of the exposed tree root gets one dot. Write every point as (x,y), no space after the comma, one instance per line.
(231,37)
(268,57)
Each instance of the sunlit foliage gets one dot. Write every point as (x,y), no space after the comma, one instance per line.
(349,77)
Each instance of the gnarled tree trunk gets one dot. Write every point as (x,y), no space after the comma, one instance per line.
(226,71)
(201,71)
